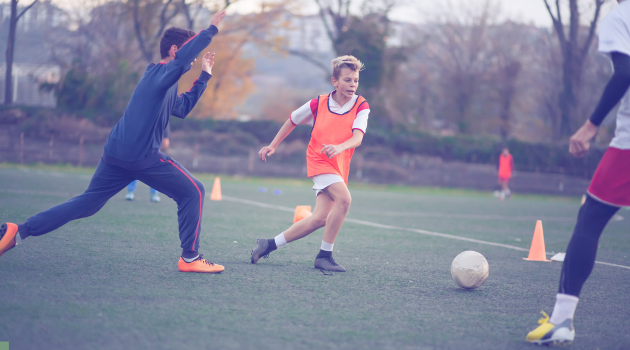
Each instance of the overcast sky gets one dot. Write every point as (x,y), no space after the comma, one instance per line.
(527,11)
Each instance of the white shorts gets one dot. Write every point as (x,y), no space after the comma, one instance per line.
(324,180)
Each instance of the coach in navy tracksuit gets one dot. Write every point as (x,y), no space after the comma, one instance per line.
(133,152)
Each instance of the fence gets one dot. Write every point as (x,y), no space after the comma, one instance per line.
(16,147)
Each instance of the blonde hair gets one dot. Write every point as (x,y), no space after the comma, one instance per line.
(347,61)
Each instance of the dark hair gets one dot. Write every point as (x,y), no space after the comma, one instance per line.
(174,36)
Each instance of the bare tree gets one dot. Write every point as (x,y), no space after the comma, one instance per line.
(337,20)
(15,17)
(150,18)
(510,49)
(460,49)
(192,9)
(574,48)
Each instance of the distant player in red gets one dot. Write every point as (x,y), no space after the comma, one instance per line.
(505,167)
(339,121)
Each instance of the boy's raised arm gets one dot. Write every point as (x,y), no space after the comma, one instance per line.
(185,102)
(192,48)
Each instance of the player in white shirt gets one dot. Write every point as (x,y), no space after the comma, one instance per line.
(609,189)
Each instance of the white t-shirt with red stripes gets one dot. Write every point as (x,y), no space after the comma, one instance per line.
(305,115)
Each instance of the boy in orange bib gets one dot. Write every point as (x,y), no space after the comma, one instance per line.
(339,121)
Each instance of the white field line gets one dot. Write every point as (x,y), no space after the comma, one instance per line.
(430,215)
(45,193)
(476,216)
(437,234)
(388,227)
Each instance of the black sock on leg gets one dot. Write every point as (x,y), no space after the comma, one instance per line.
(324,254)
(271,243)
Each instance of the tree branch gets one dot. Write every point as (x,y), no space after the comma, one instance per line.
(164,21)
(574,24)
(323,16)
(310,59)
(138,30)
(557,23)
(228,3)
(186,10)
(591,32)
(558,9)
(26,9)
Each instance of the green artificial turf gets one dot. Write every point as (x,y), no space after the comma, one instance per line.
(111,281)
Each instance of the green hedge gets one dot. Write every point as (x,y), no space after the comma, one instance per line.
(527,156)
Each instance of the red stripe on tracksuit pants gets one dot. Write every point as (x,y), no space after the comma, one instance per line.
(200,203)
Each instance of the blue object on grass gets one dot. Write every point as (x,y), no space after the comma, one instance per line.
(277,191)
(262,189)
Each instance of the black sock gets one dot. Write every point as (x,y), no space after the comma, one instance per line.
(324,254)
(582,249)
(187,254)
(271,243)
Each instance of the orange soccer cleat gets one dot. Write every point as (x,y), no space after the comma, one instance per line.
(199,265)
(7,237)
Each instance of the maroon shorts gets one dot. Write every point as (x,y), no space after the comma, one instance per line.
(504,179)
(611,182)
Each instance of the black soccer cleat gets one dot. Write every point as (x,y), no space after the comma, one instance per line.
(328,264)
(262,250)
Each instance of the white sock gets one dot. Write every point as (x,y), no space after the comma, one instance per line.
(280,240)
(564,308)
(327,246)
(18,238)
(190,260)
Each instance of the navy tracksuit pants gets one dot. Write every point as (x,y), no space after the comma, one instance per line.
(165,175)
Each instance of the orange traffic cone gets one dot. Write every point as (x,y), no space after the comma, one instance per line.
(216,190)
(537,250)
(302,212)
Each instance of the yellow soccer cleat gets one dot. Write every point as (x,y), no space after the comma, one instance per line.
(550,334)
(199,265)
(8,231)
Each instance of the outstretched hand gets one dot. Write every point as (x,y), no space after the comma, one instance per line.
(266,151)
(207,62)
(217,18)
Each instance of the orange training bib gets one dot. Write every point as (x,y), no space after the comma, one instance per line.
(330,129)
(505,166)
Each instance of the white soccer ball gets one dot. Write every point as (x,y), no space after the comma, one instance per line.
(469,269)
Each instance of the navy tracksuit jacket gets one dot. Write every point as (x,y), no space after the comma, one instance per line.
(132,151)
